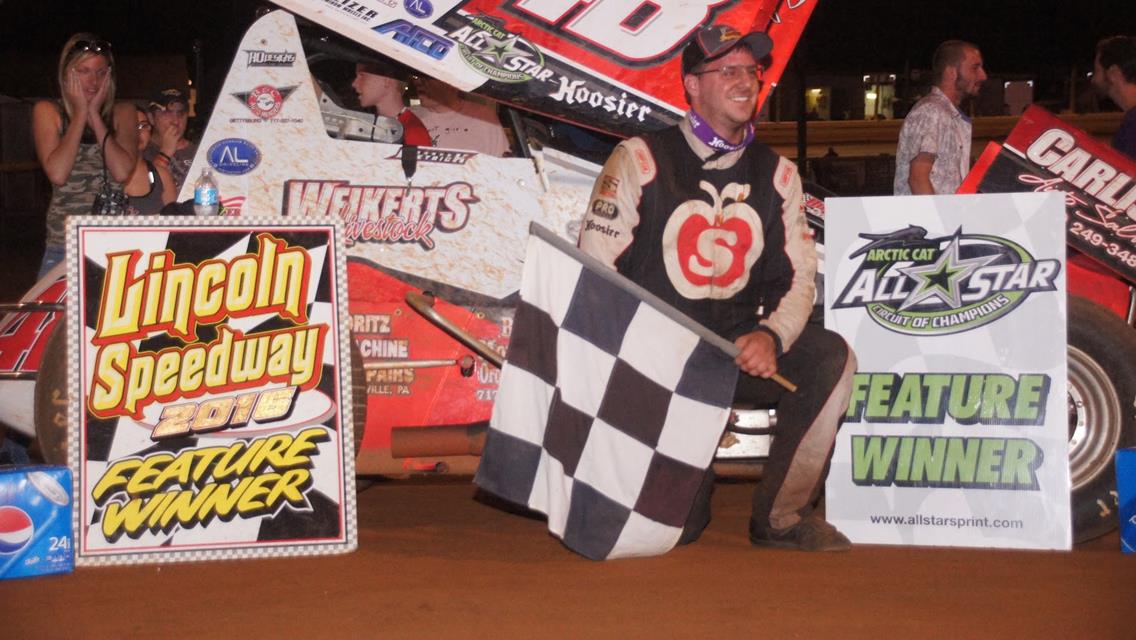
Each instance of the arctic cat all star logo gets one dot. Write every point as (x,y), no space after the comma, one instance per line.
(915,285)
(498,54)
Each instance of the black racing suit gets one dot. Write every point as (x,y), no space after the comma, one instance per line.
(722,237)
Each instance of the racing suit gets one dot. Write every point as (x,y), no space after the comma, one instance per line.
(722,237)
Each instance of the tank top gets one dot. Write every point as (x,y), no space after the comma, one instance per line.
(77,195)
(150,203)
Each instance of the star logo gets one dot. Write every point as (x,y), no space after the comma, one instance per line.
(497,51)
(942,277)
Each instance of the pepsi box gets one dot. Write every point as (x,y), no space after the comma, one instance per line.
(1126,492)
(35,521)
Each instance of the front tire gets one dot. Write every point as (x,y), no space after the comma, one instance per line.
(1102,412)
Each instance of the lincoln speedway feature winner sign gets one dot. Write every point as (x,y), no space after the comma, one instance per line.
(956,430)
(208,383)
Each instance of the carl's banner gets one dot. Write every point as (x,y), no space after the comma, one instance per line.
(956,431)
(208,382)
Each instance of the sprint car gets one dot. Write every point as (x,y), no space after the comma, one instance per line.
(436,236)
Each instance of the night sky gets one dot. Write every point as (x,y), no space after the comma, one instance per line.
(1016,36)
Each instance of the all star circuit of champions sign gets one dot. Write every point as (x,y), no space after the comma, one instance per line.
(956,430)
(208,417)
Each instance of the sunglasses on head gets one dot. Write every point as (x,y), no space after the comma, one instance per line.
(92,46)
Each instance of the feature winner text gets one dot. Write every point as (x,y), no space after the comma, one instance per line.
(938,461)
(159,491)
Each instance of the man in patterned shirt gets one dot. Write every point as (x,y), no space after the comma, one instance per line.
(934,145)
(1114,75)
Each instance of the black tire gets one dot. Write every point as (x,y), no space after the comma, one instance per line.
(52,397)
(1102,412)
(358,395)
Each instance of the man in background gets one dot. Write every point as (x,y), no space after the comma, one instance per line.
(933,154)
(168,111)
(1114,75)
(384,94)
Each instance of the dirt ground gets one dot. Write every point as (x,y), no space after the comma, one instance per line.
(433,560)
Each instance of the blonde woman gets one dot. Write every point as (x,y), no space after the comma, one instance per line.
(74,135)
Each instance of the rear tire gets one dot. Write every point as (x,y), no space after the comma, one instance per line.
(358,395)
(52,397)
(1102,412)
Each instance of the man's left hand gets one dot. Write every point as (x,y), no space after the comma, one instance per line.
(758,355)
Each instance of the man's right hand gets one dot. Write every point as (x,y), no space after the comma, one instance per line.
(166,137)
(920,177)
(758,355)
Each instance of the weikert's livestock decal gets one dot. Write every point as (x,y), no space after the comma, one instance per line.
(956,431)
(210,420)
(383,213)
(1044,154)
(912,284)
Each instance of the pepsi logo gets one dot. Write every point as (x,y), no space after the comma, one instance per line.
(16,529)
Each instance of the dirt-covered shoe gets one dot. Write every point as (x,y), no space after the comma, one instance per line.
(810,534)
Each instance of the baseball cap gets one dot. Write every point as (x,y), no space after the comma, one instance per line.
(164,98)
(717,40)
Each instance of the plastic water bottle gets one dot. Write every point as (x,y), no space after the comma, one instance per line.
(205,200)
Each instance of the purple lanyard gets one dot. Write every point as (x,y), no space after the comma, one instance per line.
(704,132)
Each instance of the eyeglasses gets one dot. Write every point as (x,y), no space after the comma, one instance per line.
(93,46)
(736,71)
(145,126)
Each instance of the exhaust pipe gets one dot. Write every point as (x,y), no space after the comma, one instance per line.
(445,440)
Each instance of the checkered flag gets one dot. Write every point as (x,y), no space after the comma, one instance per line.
(609,409)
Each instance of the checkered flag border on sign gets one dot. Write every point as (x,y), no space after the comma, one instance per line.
(328,524)
(610,406)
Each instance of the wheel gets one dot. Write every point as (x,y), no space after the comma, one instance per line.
(51,397)
(358,395)
(1102,412)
